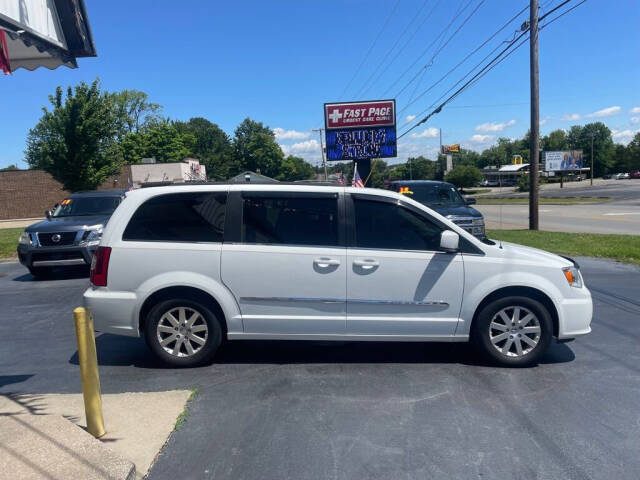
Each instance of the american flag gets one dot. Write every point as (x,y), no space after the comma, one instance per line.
(357,181)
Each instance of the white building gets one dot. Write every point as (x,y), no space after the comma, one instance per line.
(188,171)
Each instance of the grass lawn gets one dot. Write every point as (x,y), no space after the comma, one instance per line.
(9,241)
(542,200)
(624,248)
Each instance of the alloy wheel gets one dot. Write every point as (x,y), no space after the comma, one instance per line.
(514,331)
(182,331)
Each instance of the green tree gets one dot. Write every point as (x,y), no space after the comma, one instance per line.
(212,147)
(555,141)
(9,168)
(76,140)
(579,138)
(162,141)
(263,154)
(464,176)
(134,110)
(243,135)
(295,168)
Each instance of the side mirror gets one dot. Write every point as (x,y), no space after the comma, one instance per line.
(449,241)
(470,201)
(48,214)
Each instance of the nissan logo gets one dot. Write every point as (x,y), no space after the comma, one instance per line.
(55,237)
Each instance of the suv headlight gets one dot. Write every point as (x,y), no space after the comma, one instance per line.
(25,239)
(478,222)
(94,236)
(572,274)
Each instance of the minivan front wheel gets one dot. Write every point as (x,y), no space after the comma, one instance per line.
(183,333)
(513,331)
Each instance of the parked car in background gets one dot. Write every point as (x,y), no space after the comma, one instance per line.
(488,183)
(635,174)
(189,266)
(446,200)
(621,176)
(70,233)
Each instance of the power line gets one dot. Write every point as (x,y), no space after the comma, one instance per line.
(477,76)
(370,48)
(411,102)
(440,48)
(384,59)
(497,59)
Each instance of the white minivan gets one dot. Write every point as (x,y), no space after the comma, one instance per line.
(189,266)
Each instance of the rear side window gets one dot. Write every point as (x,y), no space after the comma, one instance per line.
(388,226)
(290,221)
(179,217)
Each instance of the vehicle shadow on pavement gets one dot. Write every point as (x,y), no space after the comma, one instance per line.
(58,274)
(116,350)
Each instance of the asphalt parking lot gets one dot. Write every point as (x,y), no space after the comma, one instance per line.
(277,410)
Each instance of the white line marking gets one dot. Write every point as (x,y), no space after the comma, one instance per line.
(621,214)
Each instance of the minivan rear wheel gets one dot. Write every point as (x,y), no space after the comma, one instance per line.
(183,333)
(513,331)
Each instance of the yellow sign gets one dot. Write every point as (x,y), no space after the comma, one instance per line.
(451,148)
(405,191)
(517,160)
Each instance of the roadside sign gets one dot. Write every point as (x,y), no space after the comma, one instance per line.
(564,160)
(451,148)
(360,130)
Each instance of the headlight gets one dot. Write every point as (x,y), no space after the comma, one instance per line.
(94,236)
(572,274)
(25,239)
(478,222)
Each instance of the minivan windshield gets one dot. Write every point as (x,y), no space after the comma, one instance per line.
(85,206)
(433,194)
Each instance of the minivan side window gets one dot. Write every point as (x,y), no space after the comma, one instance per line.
(389,226)
(179,217)
(290,220)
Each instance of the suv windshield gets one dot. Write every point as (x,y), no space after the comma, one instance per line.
(72,207)
(432,194)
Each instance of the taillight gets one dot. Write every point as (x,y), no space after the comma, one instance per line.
(100,266)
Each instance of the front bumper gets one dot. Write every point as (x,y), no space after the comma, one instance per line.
(31,256)
(575,317)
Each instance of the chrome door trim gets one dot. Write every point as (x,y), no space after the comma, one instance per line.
(291,299)
(398,302)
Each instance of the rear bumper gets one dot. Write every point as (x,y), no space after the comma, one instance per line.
(113,312)
(55,256)
(575,317)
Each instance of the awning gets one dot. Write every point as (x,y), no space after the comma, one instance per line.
(45,33)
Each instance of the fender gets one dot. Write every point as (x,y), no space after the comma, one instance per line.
(476,292)
(217,290)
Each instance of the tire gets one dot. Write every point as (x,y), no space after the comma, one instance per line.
(498,341)
(40,272)
(162,334)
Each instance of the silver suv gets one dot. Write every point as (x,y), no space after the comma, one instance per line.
(190,266)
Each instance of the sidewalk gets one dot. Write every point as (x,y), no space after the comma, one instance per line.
(18,222)
(38,438)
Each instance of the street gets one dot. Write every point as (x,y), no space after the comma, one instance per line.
(621,215)
(273,410)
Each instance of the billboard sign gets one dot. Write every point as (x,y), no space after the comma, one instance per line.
(451,148)
(564,160)
(360,130)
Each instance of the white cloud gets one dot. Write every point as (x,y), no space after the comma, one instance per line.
(605,112)
(481,138)
(571,117)
(301,148)
(410,118)
(635,110)
(431,132)
(544,121)
(282,134)
(623,136)
(494,127)
(635,120)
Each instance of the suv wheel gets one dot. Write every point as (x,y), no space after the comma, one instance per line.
(182,332)
(513,331)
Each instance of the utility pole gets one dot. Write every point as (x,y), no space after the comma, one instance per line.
(324,161)
(534,152)
(592,134)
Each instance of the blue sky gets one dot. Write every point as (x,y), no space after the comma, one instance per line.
(279,61)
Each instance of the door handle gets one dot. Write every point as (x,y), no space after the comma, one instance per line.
(366,263)
(325,262)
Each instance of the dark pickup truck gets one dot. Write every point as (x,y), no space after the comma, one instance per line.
(70,234)
(444,199)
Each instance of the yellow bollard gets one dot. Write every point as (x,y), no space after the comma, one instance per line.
(88,360)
